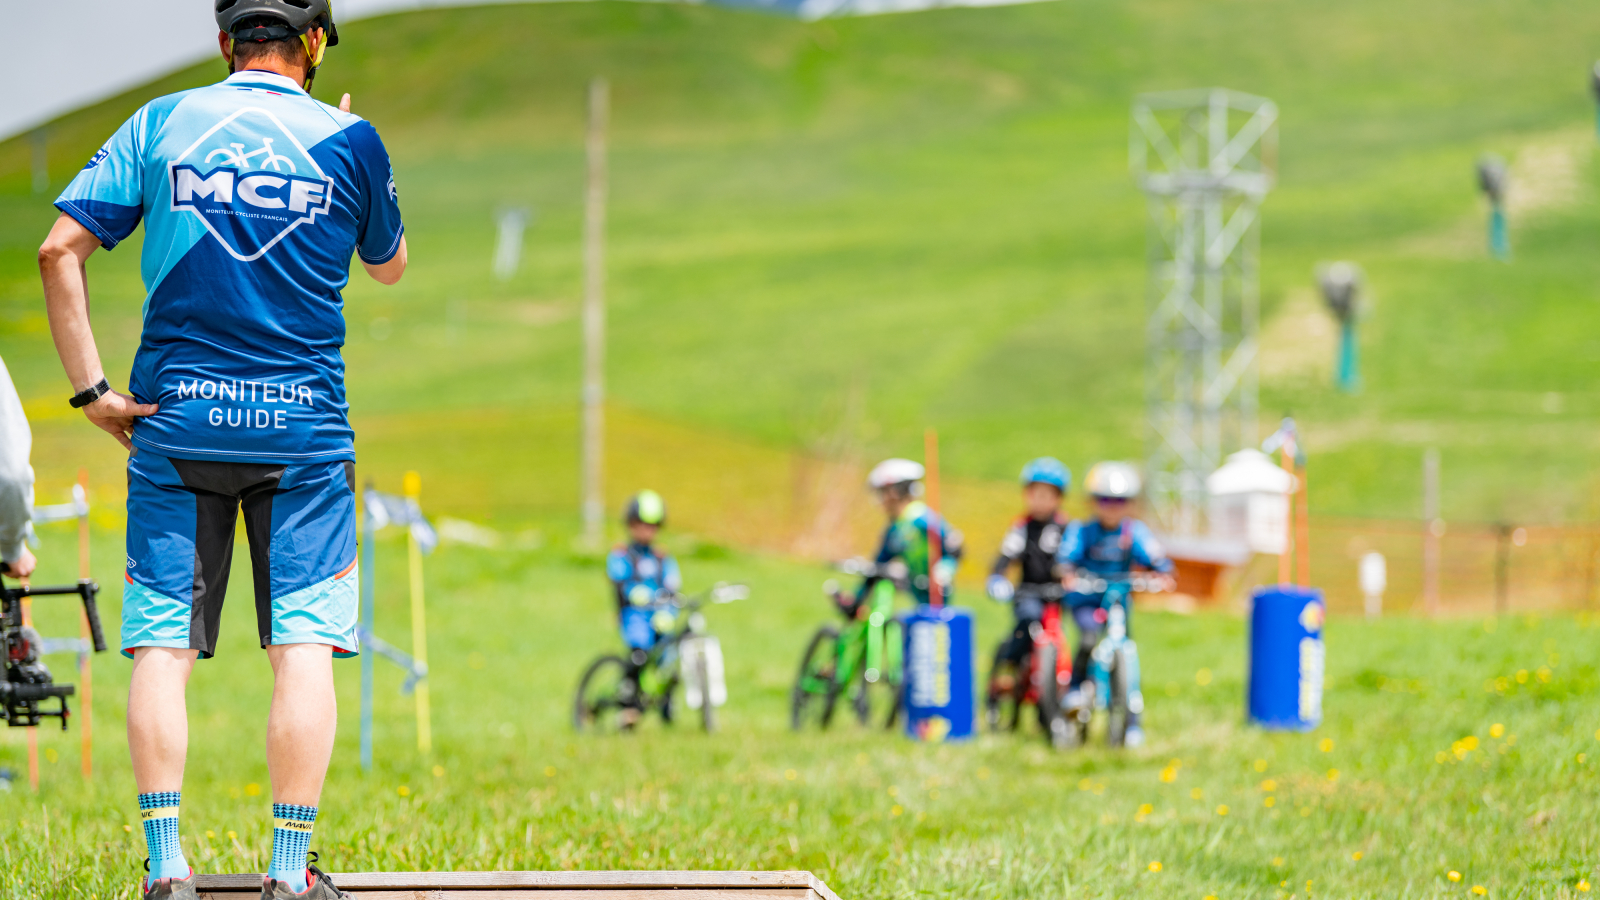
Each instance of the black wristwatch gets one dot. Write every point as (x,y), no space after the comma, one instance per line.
(90,394)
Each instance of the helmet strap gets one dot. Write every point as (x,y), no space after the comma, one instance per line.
(315,59)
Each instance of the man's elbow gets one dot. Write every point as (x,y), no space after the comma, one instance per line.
(52,252)
(389,272)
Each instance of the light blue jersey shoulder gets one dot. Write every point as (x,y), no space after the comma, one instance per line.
(254,196)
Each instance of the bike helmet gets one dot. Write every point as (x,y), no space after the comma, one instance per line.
(646,507)
(1047,470)
(243,21)
(1113,480)
(892,472)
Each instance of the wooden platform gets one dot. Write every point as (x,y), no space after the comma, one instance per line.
(547,886)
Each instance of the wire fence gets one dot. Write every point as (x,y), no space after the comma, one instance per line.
(1482,568)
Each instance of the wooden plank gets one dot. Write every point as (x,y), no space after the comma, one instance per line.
(485,884)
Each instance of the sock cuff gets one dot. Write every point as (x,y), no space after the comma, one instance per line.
(294,812)
(159,800)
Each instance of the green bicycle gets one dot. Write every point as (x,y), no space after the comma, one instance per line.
(860,661)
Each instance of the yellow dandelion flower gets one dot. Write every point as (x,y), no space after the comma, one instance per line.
(1269,785)
(1522,676)
(1479,889)
(1270,802)
(1326,745)
(790,774)
(1196,793)
(1261,765)
(1597,735)
(1544,674)
(1277,861)
(1202,677)
(896,810)
(1305,812)
(212,835)
(1470,742)
(128,828)
(1155,866)
(1146,809)
(1211,897)
(1454,875)
(549,771)
(1222,810)
(252,789)
(1497,731)
(983,774)
(1085,784)
(233,835)
(1440,757)
(1583,886)
(1333,774)
(438,771)
(1356,856)
(403,790)
(1169,775)
(1583,758)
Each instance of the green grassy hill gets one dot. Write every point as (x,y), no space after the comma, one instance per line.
(826,236)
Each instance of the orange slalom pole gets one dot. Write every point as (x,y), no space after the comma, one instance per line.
(1286,459)
(930,452)
(1302,537)
(86,666)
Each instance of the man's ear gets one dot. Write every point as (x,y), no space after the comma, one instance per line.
(225,44)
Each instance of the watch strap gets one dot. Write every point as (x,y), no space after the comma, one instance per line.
(90,394)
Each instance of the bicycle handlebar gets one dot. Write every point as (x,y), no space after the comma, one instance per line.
(1086,582)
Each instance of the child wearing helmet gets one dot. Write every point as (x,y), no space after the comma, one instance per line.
(1110,542)
(645,579)
(898,484)
(1031,545)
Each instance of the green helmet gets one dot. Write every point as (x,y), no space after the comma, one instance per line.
(647,508)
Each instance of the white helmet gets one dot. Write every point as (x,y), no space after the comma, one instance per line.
(1118,480)
(894,471)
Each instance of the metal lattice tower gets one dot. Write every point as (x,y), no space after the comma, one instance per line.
(1205,160)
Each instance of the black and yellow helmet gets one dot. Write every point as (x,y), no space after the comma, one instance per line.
(258,20)
(646,507)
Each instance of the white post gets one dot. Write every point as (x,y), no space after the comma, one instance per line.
(1374,579)
(594,312)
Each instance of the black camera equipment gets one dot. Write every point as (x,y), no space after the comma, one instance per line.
(28,685)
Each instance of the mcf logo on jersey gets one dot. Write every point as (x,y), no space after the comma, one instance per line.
(250,182)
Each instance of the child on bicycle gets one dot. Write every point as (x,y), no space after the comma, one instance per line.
(1031,545)
(898,484)
(1111,542)
(644,578)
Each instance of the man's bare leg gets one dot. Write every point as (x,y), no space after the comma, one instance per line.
(158,742)
(300,732)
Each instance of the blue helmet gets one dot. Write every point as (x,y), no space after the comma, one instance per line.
(1047,470)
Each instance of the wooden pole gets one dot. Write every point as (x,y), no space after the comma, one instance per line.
(594,312)
(419,623)
(1432,531)
(1302,536)
(930,452)
(1286,459)
(86,658)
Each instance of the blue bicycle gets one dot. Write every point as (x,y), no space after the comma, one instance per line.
(1113,683)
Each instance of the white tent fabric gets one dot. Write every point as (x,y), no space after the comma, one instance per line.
(79,52)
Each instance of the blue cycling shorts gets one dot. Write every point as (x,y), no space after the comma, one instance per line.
(300,521)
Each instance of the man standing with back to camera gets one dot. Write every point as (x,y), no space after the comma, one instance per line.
(254,196)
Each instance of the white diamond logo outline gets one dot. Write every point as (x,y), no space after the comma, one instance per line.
(240,156)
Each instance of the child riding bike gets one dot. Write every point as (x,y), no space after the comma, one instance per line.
(645,581)
(898,484)
(1031,545)
(1110,543)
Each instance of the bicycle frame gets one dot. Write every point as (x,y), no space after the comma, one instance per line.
(864,642)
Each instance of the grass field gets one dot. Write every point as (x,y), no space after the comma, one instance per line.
(825,237)
(1423,766)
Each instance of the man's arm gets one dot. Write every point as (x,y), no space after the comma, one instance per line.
(16,481)
(389,272)
(66,298)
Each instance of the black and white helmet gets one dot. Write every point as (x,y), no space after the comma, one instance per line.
(298,17)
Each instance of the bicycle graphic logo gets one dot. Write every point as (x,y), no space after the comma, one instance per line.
(237,157)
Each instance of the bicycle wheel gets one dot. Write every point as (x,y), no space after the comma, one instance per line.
(815,691)
(1007,688)
(708,713)
(1117,705)
(1047,691)
(604,693)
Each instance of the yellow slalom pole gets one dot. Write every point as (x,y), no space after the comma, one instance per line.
(86,668)
(419,623)
(33,732)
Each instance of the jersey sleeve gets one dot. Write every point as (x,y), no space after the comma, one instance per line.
(1070,555)
(1147,551)
(107,197)
(617,568)
(671,578)
(378,228)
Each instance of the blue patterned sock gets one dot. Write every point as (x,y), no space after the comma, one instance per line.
(159,813)
(291,838)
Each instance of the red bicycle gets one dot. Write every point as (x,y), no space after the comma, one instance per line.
(1039,675)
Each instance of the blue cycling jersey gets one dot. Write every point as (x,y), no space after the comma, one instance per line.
(1111,551)
(641,566)
(254,196)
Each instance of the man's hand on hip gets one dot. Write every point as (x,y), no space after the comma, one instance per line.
(114,413)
